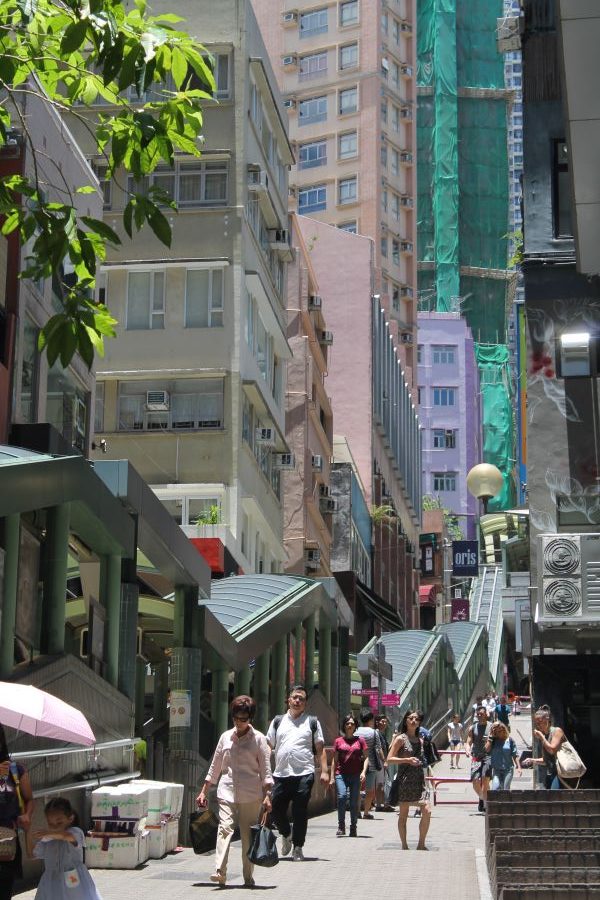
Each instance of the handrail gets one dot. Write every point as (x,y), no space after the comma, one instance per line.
(63,751)
(492,598)
(81,785)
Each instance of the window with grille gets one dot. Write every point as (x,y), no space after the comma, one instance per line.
(444,481)
(444,396)
(444,354)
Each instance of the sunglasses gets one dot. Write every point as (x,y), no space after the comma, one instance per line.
(240,718)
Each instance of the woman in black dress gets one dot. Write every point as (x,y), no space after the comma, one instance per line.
(16,808)
(406,752)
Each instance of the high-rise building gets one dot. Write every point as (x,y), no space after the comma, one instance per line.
(347,73)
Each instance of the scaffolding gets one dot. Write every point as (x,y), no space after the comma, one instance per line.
(463,196)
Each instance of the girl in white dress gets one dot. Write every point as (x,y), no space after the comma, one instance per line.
(61,847)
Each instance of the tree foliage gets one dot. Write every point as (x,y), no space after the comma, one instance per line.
(72,54)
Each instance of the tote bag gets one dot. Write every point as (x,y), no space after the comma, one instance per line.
(263,846)
(569,764)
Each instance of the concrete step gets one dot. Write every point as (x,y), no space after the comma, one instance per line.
(536,822)
(525,843)
(570,891)
(562,859)
(541,808)
(550,876)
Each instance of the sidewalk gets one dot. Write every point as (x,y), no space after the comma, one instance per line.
(454,868)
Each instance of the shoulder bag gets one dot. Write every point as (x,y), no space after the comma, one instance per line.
(569,764)
(263,846)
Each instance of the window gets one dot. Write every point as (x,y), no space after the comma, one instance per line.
(444,396)
(394,162)
(444,354)
(99,408)
(189,184)
(145,301)
(204,298)
(384,111)
(384,155)
(349,13)
(188,404)
(396,31)
(420,353)
(348,101)
(29,371)
(313,66)
(347,190)
(348,145)
(444,481)
(350,227)
(105,184)
(313,154)
(67,405)
(349,56)
(384,22)
(444,438)
(312,110)
(221,73)
(313,22)
(312,199)
(420,395)
(384,246)
(563,226)
(395,118)
(384,200)
(396,252)
(395,206)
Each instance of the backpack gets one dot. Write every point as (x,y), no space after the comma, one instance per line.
(313,727)
(11,802)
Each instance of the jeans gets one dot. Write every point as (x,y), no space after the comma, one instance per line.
(553,783)
(501,779)
(295,789)
(348,787)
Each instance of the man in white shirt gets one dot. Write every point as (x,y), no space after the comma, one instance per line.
(296,739)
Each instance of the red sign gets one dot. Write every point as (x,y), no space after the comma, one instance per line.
(364,692)
(460,609)
(390,699)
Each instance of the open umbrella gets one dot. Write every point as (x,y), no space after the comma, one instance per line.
(27,708)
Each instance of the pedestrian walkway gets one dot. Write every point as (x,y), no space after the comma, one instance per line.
(453,868)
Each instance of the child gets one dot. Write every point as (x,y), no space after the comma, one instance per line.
(455,739)
(61,847)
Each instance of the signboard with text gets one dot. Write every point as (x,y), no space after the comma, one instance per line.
(465,558)
(459,610)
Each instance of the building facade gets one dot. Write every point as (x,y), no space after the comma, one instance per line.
(450,414)
(193,389)
(347,70)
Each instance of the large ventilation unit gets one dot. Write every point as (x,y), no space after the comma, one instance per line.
(569,579)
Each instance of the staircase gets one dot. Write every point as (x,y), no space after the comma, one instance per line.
(486,609)
(544,845)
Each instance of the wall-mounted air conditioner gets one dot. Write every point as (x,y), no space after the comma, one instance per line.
(315,302)
(406,156)
(323,490)
(406,337)
(279,239)
(313,558)
(406,112)
(265,436)
(406,291)
(569,578)
(157,400)
(317,462)
(326,337)
(406,201)
(258,180)
(291,60)
(289,103)
(289,18)
(285,461)
(407,71)
(327,505)
(406,27)
(406,246)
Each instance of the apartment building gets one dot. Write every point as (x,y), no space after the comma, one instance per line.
(192,391)
(346,70)
(308,506)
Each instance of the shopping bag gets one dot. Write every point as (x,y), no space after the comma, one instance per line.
(203,830)
(569,764)
(263,846)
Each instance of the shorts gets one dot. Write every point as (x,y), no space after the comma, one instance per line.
(455,743)
(371,779)
(380,777)
(481,768)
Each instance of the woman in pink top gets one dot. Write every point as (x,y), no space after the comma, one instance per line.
(348,768)
(241,766)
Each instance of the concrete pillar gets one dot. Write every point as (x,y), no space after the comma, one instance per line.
(220,699)
(298,636)
(12,536)
(110,591)
(242,681)
(128,623)
(55,576)
(335,673)
(140,693)
(186,674)
(345,685)
(325,659)
(279,678)
(261,690)
(309,668)
(161,691)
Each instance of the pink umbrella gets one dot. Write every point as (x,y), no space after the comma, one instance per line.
(27,708)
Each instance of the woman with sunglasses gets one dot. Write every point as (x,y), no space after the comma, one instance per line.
(348,770)
(241,767)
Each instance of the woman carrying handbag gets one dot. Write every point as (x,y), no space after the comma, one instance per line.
(242,769)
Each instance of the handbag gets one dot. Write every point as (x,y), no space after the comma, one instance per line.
(203,830)
(8,844)
(397,780)
(569,764)
(263,845)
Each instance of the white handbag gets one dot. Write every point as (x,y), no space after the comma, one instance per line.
(569,764)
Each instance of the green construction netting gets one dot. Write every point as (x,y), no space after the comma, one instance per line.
(496,391)
(479,63)
(425,40)
(483,305)
(425,233)
(426,290)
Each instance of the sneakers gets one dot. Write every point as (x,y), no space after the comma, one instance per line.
(368,816)
(353,831)
(451,765)
(340,832)
(298,855)
(249,882)
(218,878)
(481,806)
(286,845)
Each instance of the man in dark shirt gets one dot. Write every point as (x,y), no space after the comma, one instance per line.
(481,764)
(382,777)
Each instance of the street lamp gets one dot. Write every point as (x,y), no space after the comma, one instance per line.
(484,481)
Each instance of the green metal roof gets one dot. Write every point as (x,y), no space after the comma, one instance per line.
(463,637)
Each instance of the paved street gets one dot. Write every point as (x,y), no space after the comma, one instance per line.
(454,867)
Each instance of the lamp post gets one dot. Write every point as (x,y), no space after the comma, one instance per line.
(483,482)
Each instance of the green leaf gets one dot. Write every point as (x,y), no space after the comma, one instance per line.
(101,228)
(179,67)
(160,226)
(86,189)
(11,222)
(128,218)
(73,37)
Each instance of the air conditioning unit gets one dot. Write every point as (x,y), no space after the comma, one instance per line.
(406,291)
(385,65)
(157,401)
(406,246)
(315,302)
(406,70)
(290,103)
(313,558)
(326,338)
(406,156)
(327,505)
(406,337)
(568,581)
(285,461)
(289,18)
(406,112)
(258,180)
(508,33)
(265,436)
(279,239)
(323,490)
(406,201)
(317,462)
(406,27)
(291,60)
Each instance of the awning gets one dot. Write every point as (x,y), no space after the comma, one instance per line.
(426,594)
(379,608)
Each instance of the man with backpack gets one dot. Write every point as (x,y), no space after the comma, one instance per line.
(296,739)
